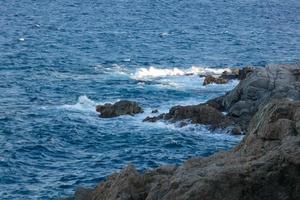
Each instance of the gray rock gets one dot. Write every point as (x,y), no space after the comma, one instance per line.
(258,88)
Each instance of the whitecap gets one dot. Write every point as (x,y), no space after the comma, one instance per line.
(154,73)
(83,104)
(21,39)
(164,34)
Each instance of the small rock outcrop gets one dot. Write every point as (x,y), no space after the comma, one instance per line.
(120,108)
(226,76)
(217,80)
(196,114)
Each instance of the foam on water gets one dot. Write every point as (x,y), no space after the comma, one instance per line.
(154,73)
(83,104)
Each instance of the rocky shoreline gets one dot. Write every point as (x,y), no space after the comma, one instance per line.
(265,165)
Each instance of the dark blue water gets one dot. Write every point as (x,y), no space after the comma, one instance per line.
(59,58)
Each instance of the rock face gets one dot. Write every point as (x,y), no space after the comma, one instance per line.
(120,108)
(196,114)
(258,88)
(266,165)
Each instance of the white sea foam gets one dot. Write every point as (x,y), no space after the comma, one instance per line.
(83,104)
(153,72)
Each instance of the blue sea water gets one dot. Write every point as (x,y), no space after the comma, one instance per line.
(59,59)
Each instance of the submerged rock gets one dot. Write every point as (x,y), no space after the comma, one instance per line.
(266,165)
(120,108)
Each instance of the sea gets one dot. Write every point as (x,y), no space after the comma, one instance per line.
(61,58)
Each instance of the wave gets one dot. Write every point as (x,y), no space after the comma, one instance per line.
(83,104)
(153,72)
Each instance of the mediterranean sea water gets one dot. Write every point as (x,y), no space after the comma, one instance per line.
(59,59)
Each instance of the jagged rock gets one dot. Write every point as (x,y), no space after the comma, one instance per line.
(266,165)
(197,114)
(210,79)
(120,108)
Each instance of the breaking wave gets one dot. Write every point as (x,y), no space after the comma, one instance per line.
(153,72)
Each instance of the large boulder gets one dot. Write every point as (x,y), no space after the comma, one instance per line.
(196,114)
(120,108)
(266,165)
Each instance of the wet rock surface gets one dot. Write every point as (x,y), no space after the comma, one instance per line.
(120,108)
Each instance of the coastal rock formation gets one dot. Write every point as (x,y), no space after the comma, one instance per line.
(196,114)
(266,165)
(120,108)
(258,87)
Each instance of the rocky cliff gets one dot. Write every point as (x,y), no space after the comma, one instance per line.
(266,164)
